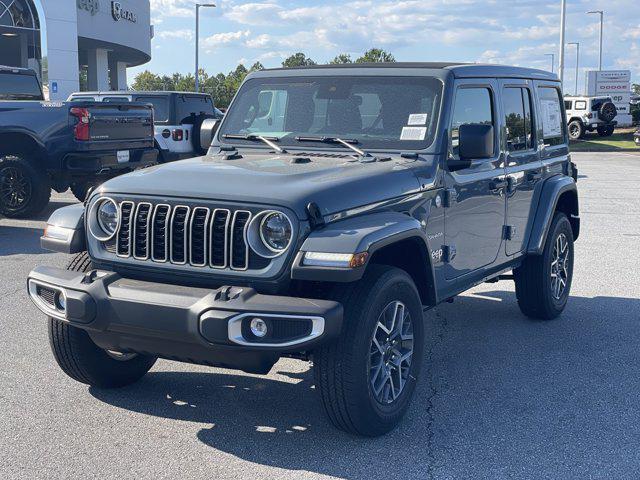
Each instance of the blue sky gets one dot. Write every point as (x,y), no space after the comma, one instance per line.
(517,32)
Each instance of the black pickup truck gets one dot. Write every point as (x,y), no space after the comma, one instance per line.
(61,145)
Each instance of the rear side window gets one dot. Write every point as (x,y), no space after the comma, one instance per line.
(83,99)
(160,107)
(472,106)
(568,104)
(19,87)
(553,125)
(188,106)
(115,100)
(517,111)
(581,105)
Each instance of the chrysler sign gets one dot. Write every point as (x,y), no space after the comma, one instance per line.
(120,13)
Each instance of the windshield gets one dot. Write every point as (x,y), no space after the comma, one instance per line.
(19,87)
(396,113)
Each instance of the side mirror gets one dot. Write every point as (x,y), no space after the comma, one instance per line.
(475,141)
(208,131)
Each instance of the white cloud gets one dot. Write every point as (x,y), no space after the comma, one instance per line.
(253,13)
(184,34)
(172,8)
(225,39)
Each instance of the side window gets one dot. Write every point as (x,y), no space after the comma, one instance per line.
(568,104)
(553,124)
(471,106)
(517,112)
(581,105)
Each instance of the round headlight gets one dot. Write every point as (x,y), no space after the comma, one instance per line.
(104,219)
(276,231)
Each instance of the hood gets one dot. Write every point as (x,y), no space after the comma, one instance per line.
(334,184)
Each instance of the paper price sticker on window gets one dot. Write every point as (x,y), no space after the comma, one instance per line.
(413,133)
(551,118)
(417,119)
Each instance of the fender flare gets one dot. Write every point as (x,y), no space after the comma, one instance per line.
(71,218)
(365,233)
(552,190)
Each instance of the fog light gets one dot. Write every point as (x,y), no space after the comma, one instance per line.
(61,301)
(258,327)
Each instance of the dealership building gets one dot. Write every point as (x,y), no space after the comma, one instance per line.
(76,44)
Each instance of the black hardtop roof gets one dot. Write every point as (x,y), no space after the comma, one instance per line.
(459,70)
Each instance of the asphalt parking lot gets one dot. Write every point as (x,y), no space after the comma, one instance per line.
(501,396)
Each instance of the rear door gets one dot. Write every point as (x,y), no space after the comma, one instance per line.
(523,164)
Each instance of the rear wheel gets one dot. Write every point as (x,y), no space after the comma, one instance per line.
(606,131)
(543,282)
(367,377)
(576,130)
(83,360)
(24,189)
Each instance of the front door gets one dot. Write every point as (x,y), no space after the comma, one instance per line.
(475,196)
(523,165)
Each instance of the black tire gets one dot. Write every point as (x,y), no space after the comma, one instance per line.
(607,112)
(606,131)
(24,189)
(81,189)
(83,360)
(342,367)
(534,284)
(576,130)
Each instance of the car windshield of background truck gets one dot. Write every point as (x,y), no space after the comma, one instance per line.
(370,112)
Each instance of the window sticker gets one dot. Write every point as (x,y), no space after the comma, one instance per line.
(417,119)
(551,118)
(413,133)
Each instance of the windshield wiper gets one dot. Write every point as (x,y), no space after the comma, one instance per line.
(346,142)
(267,140)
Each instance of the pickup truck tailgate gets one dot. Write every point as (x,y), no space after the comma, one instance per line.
(112,122)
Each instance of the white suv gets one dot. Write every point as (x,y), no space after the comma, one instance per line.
(586,114)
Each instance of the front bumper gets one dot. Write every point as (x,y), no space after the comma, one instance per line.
(102,163)
(197,325)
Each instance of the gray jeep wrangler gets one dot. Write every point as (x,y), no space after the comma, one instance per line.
(334,206)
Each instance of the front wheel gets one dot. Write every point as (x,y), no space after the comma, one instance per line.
(367,377)
(576,130)
(81,359)
(543,282)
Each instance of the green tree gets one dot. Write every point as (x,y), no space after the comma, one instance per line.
(342,58)
(376,55)
(256,67)
(298,60)
(636,88)
(147,81)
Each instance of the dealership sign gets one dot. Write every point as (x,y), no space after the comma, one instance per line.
(615,84)
(91,6)
(120,13)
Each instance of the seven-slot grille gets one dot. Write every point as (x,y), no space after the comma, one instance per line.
(197,236)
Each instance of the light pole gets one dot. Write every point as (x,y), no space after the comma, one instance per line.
(553,59)
(601,13)
(577,44)
(563,13)
(198,5)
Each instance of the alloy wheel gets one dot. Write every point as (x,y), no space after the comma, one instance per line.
(560,266)
(15,188)
(391,353)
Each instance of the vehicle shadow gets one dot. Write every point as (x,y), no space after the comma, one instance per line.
(20,240)
(500,395)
